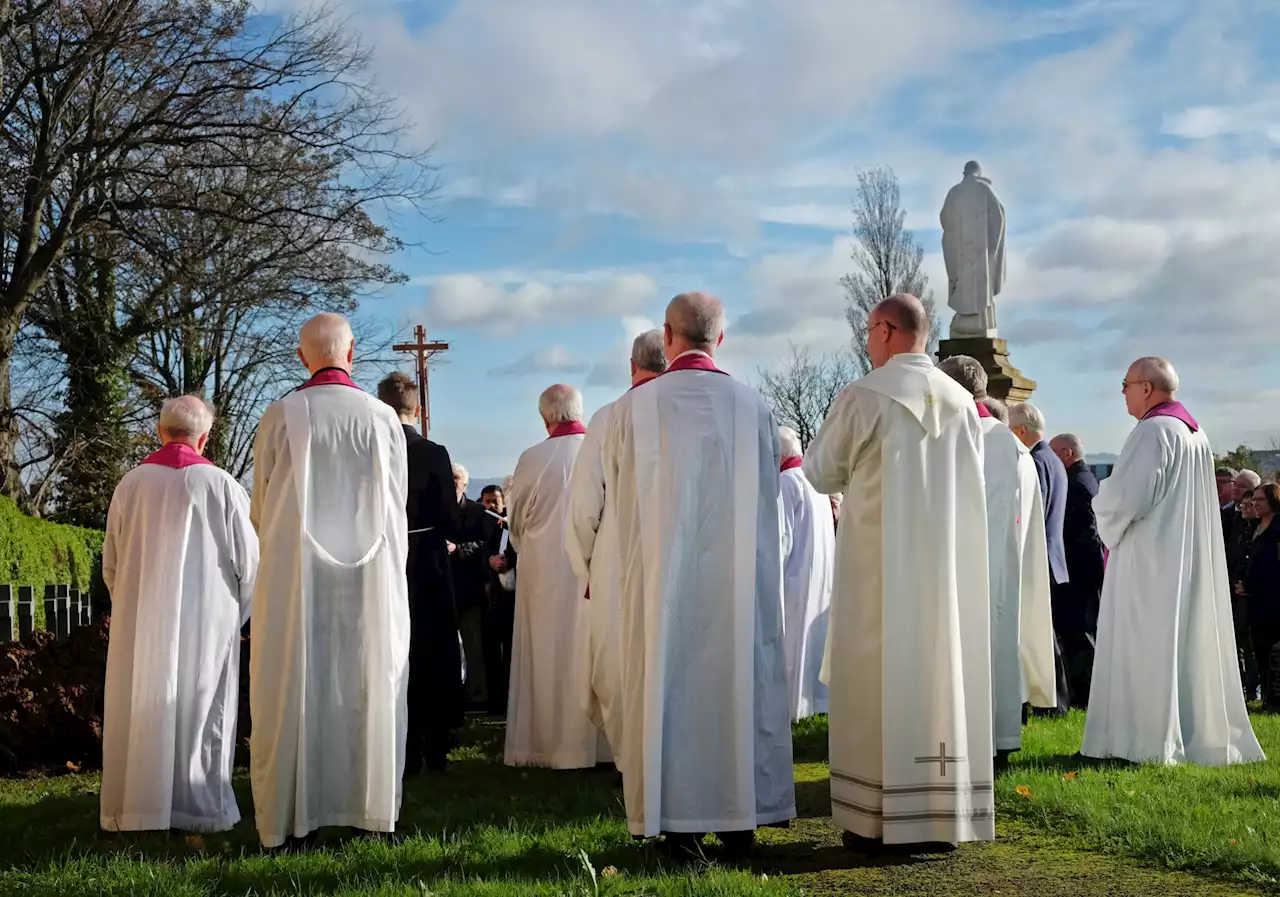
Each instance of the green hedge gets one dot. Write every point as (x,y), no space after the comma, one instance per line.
(37,553)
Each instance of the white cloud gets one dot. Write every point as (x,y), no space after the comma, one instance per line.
(503,300)
(553,360)
(612,369)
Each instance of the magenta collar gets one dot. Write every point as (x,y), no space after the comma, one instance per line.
(791,463)
(573,428)
(176,455)
(983,410)
(1174,409)
(330,377)
(694,361)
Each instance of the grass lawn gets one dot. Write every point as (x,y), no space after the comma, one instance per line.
(488,831)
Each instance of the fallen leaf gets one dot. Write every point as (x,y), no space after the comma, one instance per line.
(1232,842)
(1023,791)
(609,871)
(1069,776)
(71,766)
(195,842)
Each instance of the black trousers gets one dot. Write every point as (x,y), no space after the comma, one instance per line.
(496,627)
(1265,634)
(435,686)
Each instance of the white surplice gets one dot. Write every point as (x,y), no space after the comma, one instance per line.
(1166,683)
(808,569)
(691,461)
(908,657)
(180,557)
(1022,668)
(592,542)
(547,724)
(329,651)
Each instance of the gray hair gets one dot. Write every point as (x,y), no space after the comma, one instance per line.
(1071,441)
(325,338)
(648,353)
(698,318)
(999,410)
(1024,414)
(186,417)
(1159,371)
(790,442)
(560,404)
(460,473)
(968,372)
(1250,477)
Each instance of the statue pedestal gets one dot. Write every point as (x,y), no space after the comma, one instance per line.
(1004,381)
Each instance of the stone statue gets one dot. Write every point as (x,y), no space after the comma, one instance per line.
(973,249)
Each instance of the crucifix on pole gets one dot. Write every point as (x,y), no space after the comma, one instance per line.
(424,350)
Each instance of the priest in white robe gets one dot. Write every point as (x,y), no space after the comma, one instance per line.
(592,542)
(329,647)
(808,569)
(691,463)
(179,559)
(547,724)
(1022,665)
(1166,682)
(908,658)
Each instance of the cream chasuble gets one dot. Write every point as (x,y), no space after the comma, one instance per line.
(180,558)
(908,658)
(1166,683)
(329,654)
(808,566)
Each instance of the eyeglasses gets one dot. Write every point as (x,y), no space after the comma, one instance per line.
(881,324)
(1125,384)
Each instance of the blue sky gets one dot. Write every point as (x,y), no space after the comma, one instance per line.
(599,156)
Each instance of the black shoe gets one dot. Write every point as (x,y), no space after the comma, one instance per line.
(294,844)
(683,845)
(737,844)
(862,844)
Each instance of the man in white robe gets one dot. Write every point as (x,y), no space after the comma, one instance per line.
(592,543)
(908,657)
(808,569)
(180,557)
(691,463)
(1022,665)
(546,722)
(1166,682)
(329,650)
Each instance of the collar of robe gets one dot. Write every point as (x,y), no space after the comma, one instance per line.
(791,463)
(330,377)
(573,428)
(983,410)
(693,360)
(176,455)
(1174,409)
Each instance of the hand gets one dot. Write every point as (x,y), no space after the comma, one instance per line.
(498,564)
(452,548)
(1240,589)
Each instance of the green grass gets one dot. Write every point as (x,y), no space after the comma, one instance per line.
(489,831)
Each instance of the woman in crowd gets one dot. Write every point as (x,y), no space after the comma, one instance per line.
(1261,587)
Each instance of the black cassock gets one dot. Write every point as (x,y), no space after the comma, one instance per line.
(435,661)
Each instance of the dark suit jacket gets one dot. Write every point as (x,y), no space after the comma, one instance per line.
(470,559)
(432,503)
(1053,488)
(1084,549)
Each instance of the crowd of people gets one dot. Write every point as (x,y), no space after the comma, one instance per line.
(669,586)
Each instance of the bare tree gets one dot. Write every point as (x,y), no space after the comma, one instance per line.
(801,389)
(118,118)
(887,257)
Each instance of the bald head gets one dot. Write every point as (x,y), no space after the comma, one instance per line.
(1068,448)
(186,419)
(694,321)
(326,341)
(897,325)
(1150,381)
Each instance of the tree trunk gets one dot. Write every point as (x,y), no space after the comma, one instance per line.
(10,481)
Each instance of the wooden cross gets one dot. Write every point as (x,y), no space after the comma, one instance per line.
(424,350)
(942,759)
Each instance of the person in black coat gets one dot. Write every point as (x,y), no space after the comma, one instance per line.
(1076,613)
(1027,423)
(500,604)
(1261,589)
(435,661)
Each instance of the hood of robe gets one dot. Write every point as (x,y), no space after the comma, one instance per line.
(912,380)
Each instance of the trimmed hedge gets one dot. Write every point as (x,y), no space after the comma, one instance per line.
(39,553)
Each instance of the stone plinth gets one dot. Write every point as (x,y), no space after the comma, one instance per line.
(1004,381)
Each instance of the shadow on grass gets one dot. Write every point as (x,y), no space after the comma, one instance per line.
(1063,763)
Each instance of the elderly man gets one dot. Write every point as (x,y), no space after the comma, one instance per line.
(911,762)
(434,696)
(691,465)
(592,540)
(179,559)
(330,650)
(1166,685)
(1077,611)
(1022,662)
(808,569)
(1027,423)
(546,722)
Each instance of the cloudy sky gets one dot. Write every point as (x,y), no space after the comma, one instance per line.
(599,156)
